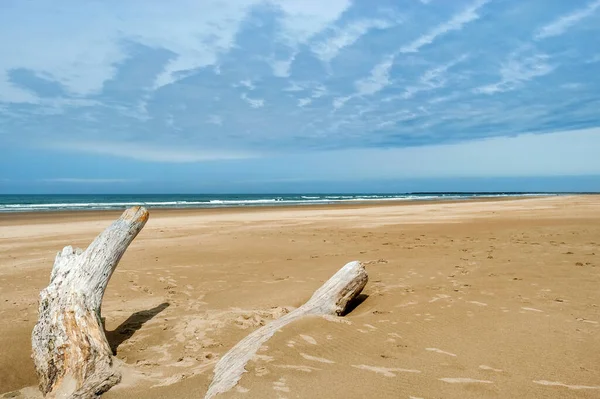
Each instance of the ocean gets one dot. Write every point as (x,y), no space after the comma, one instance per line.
(41,203)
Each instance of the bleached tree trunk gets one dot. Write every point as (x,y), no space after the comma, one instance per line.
(331,299)
(71,354)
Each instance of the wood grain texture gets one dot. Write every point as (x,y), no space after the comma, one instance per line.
(71,354)
(331,298)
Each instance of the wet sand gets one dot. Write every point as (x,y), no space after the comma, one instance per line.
(472,299)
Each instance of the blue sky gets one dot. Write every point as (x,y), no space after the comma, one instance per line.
(257,95)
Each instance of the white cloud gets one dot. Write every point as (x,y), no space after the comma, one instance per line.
(304,101)
(329,48)
(457,22)
(319,91)
(433,78)
(82,52)
(281,68)
(76,180)
(339,102)
(562,24)
(294,86)
(517,70)
(254,102)
(377,80)
(247,84)
(301,20)
(441,99)
(150,153)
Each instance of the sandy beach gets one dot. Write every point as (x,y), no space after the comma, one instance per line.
(472,299)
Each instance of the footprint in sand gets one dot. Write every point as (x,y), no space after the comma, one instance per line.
(280,385)
(241,389)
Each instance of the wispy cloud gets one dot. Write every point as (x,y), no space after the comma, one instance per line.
(76,180)
(254,102)
(281,68)
(302,20)
(431,79)
(247,84)
(151,153)
(304,101)
(330,47)
(377,80)
(339,102)
(319,91)
(293,87)
(216,80)
(572,86)
(563,23)
(457,22)
(519,69)
(594,59)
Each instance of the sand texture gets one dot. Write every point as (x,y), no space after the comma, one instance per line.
(477,299)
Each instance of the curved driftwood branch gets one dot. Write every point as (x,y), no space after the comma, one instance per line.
(331,299)
(71,354)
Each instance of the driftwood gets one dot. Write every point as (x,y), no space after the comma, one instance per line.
(72,357)
(331,299)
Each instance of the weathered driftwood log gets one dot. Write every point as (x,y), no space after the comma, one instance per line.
(71,354)
(331,299)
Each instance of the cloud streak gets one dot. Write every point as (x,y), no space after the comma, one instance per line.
(76,180)
(519,69)
(329,48)
(236,81)
(565,22)
(149,153)
(456,23)
(377,80)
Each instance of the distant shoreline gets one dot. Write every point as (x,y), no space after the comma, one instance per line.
(10,204)
(7,218)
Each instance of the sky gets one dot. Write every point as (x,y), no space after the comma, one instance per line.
(299,95)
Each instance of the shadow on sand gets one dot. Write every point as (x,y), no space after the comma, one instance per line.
(131,325)
(354,303)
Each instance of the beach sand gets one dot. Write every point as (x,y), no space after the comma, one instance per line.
(477,299)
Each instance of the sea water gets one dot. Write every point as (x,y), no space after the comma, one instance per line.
(40,203)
